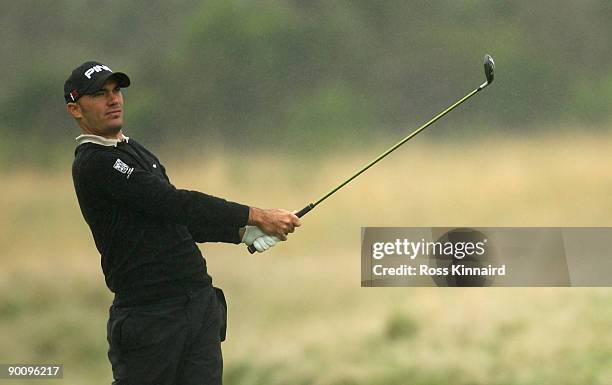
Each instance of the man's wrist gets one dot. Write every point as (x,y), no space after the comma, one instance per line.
(254,216)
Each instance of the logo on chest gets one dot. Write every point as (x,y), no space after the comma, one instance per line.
(123,168)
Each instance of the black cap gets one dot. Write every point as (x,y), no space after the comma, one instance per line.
(90,77)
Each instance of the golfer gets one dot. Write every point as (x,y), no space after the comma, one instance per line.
(167,321)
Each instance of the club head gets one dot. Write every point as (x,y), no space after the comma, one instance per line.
(489,68)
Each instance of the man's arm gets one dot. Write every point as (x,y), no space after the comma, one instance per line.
(116,176)
(236,235)
(223,234)
(262,218)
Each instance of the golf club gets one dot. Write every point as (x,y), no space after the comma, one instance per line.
(489,68)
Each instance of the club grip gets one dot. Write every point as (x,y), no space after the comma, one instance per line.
(299,214)
(305,210)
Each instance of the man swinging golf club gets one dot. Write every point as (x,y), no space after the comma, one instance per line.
(167,320)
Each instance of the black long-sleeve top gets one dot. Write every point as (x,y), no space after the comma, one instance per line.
(144,228)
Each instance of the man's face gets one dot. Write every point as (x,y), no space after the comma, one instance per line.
(100,113)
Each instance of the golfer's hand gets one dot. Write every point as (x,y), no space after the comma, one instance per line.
(251,233)
(260,241)
(264,243)
(275,222)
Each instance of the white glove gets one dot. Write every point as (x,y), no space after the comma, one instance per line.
(260,240)
(264,243)
(251,233)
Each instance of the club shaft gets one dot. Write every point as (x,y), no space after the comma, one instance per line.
(398,144)
(311,206)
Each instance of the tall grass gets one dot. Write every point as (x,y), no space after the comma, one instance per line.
(297,313)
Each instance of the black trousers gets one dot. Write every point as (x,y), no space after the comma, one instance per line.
(177,342)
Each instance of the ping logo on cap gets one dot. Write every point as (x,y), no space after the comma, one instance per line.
(96,68)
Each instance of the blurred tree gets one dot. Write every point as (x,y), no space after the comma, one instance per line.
(290,72)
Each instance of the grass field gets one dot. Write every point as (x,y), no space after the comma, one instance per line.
(297,313)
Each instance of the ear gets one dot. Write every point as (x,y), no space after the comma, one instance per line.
(74,109)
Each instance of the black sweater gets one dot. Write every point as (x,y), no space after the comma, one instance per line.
(144,228)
